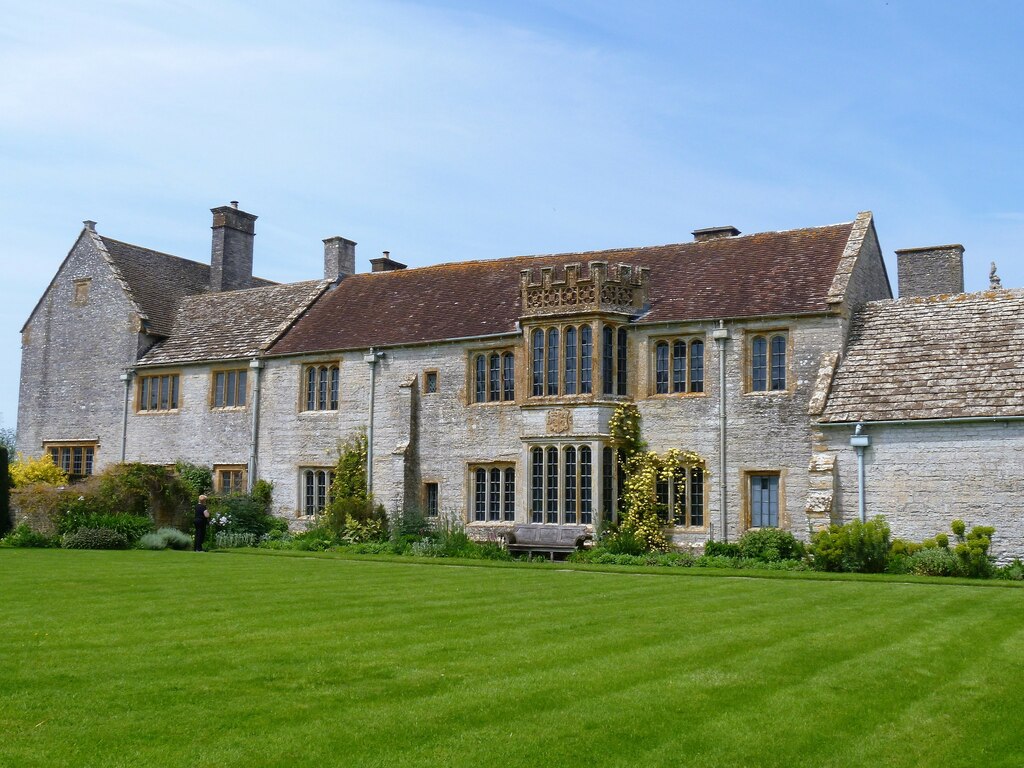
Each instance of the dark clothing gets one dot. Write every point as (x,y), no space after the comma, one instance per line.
(201,521)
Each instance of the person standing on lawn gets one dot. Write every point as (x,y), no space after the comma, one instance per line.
(202,519)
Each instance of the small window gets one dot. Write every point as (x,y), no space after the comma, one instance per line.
(75,459)
(430,499)
(430,382)
(81,295)
(229,388)
(322,384)
(314,489)
(764,501)
(157,393)
(229,479)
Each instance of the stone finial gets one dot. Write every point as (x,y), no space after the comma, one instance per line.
(91,226)
(994,283)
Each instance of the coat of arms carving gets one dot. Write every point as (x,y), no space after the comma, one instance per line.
(560,421)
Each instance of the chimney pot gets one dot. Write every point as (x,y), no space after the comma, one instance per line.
(90,225)
(385,263)
(234,204)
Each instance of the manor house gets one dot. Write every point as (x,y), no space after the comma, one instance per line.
(486,387)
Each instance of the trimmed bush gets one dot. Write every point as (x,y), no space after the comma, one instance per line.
(241,513)
(855,547)
(95,538)
(770,545)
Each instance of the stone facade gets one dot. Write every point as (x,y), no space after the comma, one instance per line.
(410,342)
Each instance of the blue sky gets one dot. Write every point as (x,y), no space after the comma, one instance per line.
(451,130)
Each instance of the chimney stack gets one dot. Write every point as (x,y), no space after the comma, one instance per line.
(231,259)
(385,263)
(930,271)
(339,258)
(714,233)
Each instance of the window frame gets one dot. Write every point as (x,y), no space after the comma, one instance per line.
(325,387)
(593,360)
(749,475)
(767,367)
(490,502)
(491,376)
(235,472)
(680,516)
(554,500)
(432,507)
(88,457)
(428,376)
(143,384)
(241,387)
(678,367)
(314,509)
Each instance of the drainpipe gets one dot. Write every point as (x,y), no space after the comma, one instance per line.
(371,359)
(254,437)
(126,377)
(860,442)
(721,336)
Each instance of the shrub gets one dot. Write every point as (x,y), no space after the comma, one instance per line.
(153,541)
(95,538)
(1012,572)
(903,547)
(972,550)
(5,491)
(855,547)
(175,539)
(194,479)
(132,527)
(24,536)
(622,542)
(770,545)
(241,513)
(725,548)
(40,470)
(263,494)
(933,561)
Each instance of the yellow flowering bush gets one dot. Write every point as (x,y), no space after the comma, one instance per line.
(42,470)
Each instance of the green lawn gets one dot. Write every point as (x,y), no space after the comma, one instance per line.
(183,659)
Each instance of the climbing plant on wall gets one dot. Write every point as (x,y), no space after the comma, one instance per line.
(641,470)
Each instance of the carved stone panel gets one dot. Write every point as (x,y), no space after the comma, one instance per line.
(559,421)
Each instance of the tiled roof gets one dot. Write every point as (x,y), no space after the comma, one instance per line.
(772,273)
(937,357)
(232,324)
(159,281)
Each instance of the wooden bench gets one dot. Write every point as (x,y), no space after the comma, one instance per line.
(550,540)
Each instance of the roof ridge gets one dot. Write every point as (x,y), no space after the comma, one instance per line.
(562,254)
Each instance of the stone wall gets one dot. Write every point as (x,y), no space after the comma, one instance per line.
(196,432)
(73,355)
(921,477)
